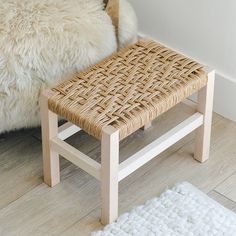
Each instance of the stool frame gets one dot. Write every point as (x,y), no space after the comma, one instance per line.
(110,172)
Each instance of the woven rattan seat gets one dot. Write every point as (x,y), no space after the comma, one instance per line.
(127,90)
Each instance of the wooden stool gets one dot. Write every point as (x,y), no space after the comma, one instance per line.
(113,99)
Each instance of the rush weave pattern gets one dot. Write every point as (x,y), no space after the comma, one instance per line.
(128,89)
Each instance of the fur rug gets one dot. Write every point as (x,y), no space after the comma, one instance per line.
(42,41)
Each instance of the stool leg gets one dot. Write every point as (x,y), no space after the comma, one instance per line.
(147,126)
(49,124)
(205,106)
(109,174)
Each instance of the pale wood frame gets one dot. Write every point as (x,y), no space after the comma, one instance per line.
(110,172)
(49,124)
(205,106)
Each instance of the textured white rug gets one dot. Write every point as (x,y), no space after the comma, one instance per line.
(183,210)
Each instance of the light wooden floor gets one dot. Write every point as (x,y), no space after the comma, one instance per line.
(29,207)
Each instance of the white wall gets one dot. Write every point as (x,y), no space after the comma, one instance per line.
(202,29)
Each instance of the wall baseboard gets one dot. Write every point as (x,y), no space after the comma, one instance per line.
(225,94)
(224,97)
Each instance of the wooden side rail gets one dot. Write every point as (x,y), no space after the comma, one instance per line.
(159,145)
(76,157)
(66,130)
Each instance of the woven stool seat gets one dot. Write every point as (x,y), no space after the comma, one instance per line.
(128,89)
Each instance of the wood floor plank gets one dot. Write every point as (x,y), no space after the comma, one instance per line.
(228,187)
(223,200)
(41,210)
(46,211)
(20,170)
(85,226)
(9,140)
(21,164)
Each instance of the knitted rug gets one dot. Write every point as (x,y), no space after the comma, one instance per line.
(182,210)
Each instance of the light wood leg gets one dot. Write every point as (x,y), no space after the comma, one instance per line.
(49,124)
(109,174)
(147,126)
(205,106)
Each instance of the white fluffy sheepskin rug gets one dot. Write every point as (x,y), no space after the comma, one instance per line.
(42,41)
(181,211)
